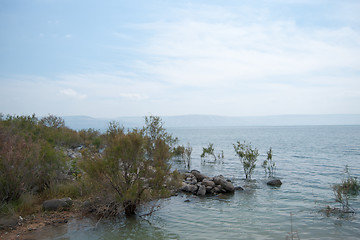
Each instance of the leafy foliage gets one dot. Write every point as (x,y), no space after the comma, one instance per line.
(210,151)
(134,167)
(184,153)
(269,165)
(349,186)
(247,156)
(91,138)
(28,162)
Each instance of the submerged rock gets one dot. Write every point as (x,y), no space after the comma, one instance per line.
(274,183)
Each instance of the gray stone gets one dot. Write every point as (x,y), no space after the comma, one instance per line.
(217,189)
(189,175)
(208,183)
(9,222)
(209,190)
(228,186)
(201,191)
(239,188)
(198,175)
(274,183)
(57,204)
(189,188)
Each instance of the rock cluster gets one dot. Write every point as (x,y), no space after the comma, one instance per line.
(199,184)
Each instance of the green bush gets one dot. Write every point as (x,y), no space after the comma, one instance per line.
(134,167)
(28,162)
(348,187)
(210,151)
(247,156)
(269,165)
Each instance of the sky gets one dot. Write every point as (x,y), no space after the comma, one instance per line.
(133,58)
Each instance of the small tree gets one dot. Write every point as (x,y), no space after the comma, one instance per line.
(269,164)
(188,151)
(247,156)
(210,151)
(349,186)
(53,121)
(134,167)
(183,153)
(179,151)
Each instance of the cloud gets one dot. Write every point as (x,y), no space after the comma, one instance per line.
(199,53)
(72,93)
(241,59)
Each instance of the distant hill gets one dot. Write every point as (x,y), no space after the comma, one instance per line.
(85,122)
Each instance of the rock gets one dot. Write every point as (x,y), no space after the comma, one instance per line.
(8,222)
(208,183)
(209,190)
(274,183)
(191,181)
(217,189)
(226,185)
(189,188)
(198,175)
(239,188)
(201,191)
(188,175)
(57,204)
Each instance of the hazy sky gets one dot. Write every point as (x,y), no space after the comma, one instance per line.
(132,58)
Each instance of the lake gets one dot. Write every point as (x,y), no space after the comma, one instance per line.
(309,160)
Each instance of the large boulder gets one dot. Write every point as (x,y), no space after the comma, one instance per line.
(274,183)
(226,185)
(57,204)
(198,175)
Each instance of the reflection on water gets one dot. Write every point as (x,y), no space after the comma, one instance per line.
(309,160)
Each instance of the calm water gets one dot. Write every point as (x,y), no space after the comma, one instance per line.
(309,160)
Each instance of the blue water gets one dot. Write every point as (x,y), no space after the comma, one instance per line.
(309,159)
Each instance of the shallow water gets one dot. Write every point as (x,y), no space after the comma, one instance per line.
(309,160)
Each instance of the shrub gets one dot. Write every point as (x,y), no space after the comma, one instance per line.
(269,164)
(27,164)
(72,189)
(349,186)
(183,153)
(134,168)
(188,151)
(210,151)
(179,151)
(247,156)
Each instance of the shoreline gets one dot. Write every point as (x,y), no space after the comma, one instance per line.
(37,222)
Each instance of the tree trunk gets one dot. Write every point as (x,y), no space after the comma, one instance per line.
(129,207)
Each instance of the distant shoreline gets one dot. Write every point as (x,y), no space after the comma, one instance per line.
(200,121)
